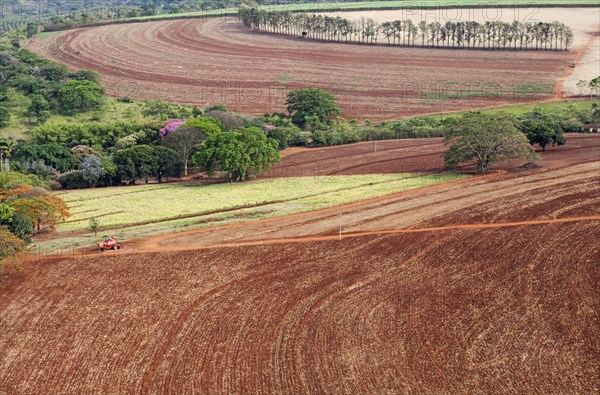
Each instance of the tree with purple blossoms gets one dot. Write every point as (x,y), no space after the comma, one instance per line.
(92,170)
(170,127)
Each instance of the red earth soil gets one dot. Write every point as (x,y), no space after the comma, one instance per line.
(507,304)
(548,195)
(218,60)
(410,156)
(509,310)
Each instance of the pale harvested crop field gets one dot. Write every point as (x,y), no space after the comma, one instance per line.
(582,21)
(220,61)
(546,195)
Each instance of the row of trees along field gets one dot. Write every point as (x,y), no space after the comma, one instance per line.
(489,35)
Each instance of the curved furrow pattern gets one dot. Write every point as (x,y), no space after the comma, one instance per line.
(415,313)
(220,61)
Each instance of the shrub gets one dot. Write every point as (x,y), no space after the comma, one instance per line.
(72,180)
(34,192)
(216,107)
(208,125)
(98,135)
(78,96)
(10,246)
(228,121)
(53,185)
(82,152)
(22,227)
(40,169)
(53,155)
(14,180)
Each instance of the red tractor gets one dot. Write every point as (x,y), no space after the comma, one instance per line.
(110,244)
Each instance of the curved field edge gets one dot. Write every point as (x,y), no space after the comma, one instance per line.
(143,211)
(390,93)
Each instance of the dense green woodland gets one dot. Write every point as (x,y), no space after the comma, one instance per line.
(62,14)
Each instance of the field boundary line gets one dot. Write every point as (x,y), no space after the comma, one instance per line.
(383,233)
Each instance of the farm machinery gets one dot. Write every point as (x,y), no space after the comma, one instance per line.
(110,244)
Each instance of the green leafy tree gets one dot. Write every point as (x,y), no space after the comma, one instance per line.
(31,29)
(92,170)
(240,154)
(79,96)
(185,139)
(595,112)
(208,125)
(55,71)
(3,93)
(22,227)
(169,163)
(110,169)
(39,108)
(86,75)
(94,226)
(52,154)
(136,162)
(541,128)
(6,214)
(302,104)
(485,139)
(126,170)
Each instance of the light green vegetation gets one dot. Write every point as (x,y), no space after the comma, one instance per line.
(375,5)
(516,110)
(112,110)
(183,206)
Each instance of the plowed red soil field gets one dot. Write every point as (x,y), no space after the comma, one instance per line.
(482,285)
(410,156)
(220,61)
(509,310)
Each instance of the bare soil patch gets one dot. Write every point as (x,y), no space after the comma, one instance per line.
(426,313)
(220,61)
